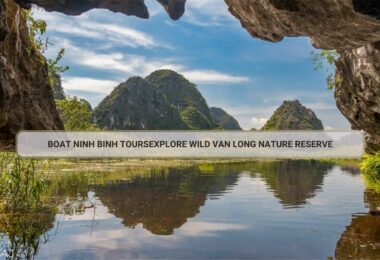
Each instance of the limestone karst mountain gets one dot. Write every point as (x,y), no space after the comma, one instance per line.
(292,115)
(184,96)
(223,119)
(137,104)
(165,100)
(58,91)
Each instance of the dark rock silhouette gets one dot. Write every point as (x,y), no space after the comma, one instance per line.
(26,98)
(175,8)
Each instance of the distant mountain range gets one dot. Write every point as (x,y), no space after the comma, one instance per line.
(165,100)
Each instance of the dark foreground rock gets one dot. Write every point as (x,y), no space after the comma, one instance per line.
(175,8)
(358,94)
(339,24)
(26,98)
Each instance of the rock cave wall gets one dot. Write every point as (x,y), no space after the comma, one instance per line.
(26,98)
(175,8)
(352,27)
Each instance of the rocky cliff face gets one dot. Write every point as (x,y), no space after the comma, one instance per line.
(292,115)
(184,96)
(223,119)
(137,105)
(350,26)
(339,24)
(163,100)
(175,8)
(358,94)
(26,98)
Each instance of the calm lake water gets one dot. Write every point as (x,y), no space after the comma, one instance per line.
(262,210)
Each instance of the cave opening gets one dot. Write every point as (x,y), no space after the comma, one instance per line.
(367,7)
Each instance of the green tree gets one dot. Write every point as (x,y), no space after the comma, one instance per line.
(327,58)
(37,29)
(76,114)
(54,68)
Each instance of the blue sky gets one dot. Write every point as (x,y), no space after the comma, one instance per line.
(247,77)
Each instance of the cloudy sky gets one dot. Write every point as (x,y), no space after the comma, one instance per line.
(247,77)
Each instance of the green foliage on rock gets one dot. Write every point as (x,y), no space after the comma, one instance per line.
(370,167)
(37,29)
(54,68)
(194,119)
(327,58)
(292,115)
(40,43)
(76,114)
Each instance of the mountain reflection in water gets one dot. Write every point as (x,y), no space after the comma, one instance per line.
(165,202)
(361,239)
(264,209)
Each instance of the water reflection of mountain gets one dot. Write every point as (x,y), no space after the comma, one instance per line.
(163,201)
(294,182)
(361,239)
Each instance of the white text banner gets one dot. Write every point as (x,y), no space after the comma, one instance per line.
(190,144)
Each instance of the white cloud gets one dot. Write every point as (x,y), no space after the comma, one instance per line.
(88,84)
(139,65)
(212,77)
(258,123)
(135,65)
(207,13)
(86,26)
